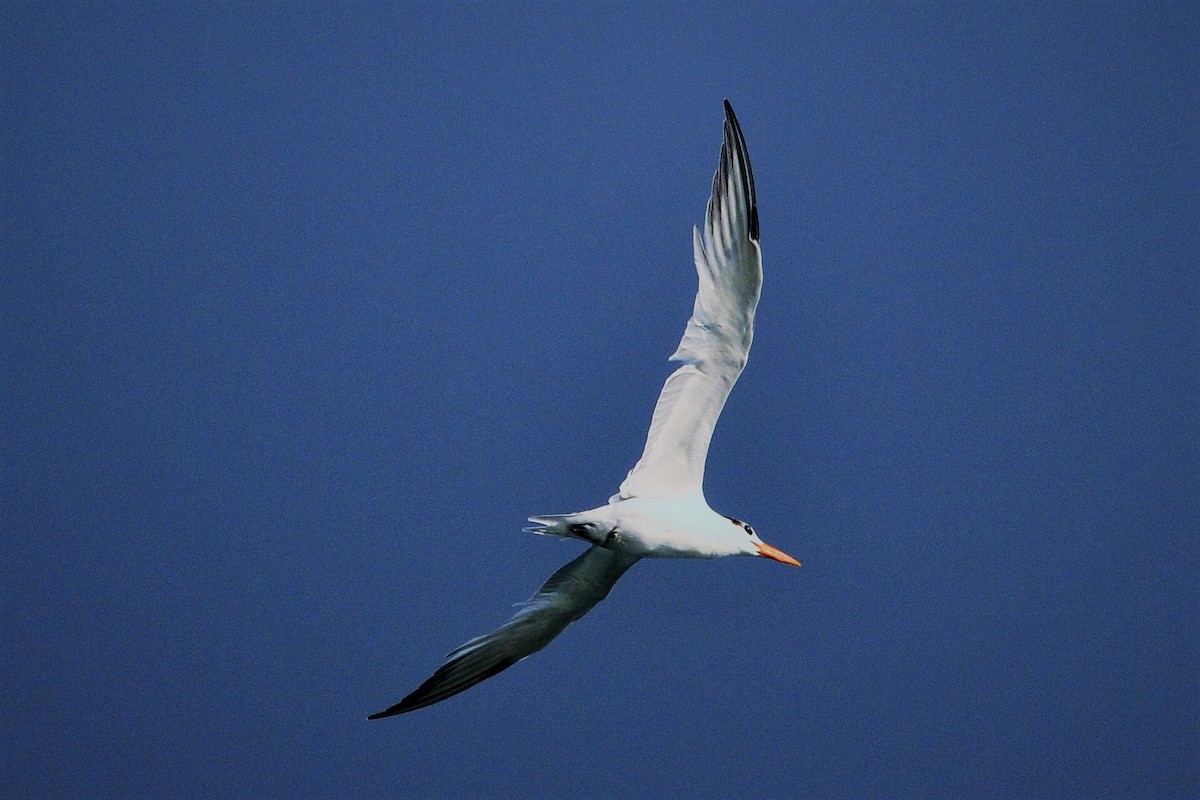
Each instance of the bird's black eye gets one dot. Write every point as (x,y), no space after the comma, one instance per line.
(749,530)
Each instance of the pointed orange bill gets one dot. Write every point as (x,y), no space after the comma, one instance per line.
(765,549)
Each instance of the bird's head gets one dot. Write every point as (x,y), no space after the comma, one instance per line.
(754,546)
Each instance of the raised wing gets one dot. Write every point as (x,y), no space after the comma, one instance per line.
(717,339)
(568,595)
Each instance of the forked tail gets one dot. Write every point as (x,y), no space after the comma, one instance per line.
(569,526)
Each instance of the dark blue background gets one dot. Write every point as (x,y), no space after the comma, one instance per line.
(306,308)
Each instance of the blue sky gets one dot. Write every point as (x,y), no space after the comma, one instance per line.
(307,308)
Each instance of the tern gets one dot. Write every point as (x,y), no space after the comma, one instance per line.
(659,510)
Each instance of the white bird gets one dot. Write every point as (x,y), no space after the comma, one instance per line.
(659,510)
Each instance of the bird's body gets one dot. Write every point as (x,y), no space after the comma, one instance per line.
(659,510)
(657,527)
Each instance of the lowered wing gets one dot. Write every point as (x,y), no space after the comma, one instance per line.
(717,339)
(570,593)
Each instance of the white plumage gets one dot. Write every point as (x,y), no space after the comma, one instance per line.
(659,510)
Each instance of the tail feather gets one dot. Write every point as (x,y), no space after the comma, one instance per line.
(569,526)
(550,525)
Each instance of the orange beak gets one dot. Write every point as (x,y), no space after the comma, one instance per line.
(775,553)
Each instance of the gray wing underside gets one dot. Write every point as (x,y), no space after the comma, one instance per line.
(570,593)
(716,342)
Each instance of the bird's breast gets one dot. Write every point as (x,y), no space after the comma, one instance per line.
(660,528)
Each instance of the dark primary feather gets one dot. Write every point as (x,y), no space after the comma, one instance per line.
(738,145)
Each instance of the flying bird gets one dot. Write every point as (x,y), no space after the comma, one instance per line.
(659,510)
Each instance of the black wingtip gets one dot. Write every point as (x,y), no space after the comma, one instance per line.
(410,703)
(747,172)
(403,707)
(391,712)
